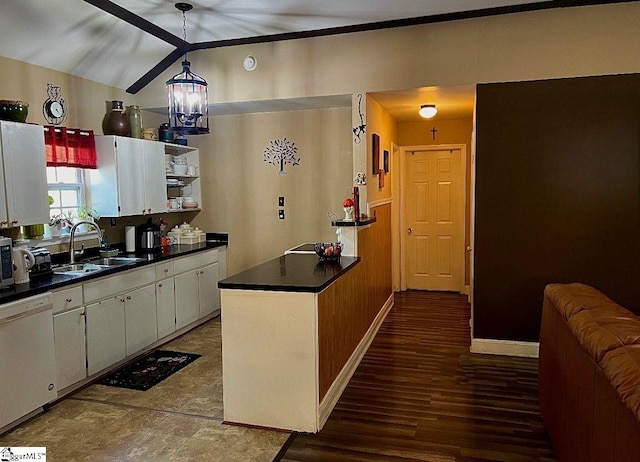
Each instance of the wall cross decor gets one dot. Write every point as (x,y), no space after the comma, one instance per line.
(433,131)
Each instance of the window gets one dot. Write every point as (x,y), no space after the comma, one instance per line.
(66,187)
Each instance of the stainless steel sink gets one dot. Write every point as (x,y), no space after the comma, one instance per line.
(91,266)
(79,268)
(115,261)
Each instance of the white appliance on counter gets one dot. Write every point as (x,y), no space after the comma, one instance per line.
(27,359)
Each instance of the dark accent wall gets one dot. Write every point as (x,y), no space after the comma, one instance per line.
(557,197)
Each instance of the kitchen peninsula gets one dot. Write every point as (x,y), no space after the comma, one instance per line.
(287,340)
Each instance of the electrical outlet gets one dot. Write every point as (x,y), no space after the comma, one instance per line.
(281,201)
(281,214)
(113,222)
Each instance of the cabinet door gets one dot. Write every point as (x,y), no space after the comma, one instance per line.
(155,182)
(140,318)
(208,292)
(130,173)
(69,340)
(25,173)
(105,334)
(165,307)
(187,303)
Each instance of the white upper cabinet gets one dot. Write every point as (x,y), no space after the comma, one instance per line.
(130,177)
(23,172)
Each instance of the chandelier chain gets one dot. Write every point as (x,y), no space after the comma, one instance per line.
(184,25)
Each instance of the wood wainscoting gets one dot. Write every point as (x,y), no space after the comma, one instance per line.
(366,289)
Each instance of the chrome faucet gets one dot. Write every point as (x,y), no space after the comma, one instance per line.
(78,253)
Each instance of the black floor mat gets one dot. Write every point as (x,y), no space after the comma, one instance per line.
(149,370)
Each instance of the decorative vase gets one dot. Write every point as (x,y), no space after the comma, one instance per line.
(54,230)
(348,213)
(135,121)
(117,121)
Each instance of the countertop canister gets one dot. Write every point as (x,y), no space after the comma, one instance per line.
(135,121)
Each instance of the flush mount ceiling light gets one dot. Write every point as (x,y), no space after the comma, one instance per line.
(428,110)
(188,96)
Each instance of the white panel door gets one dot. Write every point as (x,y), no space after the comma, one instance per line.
(165,307)
(433,204)
(106,343)
(130,176)
(71,353)
(208,290)
(141,324)
(155,181)
(187,301)
(25,173)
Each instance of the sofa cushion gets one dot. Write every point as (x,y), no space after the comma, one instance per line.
(570,299)
(622,368)
(605,328)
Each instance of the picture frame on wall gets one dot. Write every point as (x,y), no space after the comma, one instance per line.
(375,153)
(385,161)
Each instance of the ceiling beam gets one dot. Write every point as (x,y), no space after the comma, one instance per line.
(137,21)
(155,71)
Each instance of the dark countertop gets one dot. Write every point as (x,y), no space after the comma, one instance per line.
(362,221)
(291,273)
(43,284)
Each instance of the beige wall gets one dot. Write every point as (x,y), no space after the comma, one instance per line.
(86,100)
(240,191)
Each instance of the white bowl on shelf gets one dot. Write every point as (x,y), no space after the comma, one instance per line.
(180,169)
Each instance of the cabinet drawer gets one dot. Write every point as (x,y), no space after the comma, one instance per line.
(121,282)
(196,260)
(164,270)
(66,299)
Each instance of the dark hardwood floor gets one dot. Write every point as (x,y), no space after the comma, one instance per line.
(419,395)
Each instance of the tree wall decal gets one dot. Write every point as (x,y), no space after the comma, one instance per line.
(280,153)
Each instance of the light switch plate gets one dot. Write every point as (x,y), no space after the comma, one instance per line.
(281,214)
(281,201)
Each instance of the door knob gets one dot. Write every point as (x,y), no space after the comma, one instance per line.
(409,230)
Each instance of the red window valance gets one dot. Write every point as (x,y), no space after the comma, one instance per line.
(69,147)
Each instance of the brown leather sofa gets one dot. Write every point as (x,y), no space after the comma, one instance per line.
(589,375)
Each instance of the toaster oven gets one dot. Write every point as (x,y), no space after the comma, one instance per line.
(6,262)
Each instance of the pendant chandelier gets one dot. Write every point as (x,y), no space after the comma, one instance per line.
(188,97)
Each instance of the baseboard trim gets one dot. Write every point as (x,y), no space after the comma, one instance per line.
(505,347)
(342,380)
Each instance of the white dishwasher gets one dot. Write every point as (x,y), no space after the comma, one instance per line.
(27,358)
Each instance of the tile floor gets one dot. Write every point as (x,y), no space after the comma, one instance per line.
(180,419)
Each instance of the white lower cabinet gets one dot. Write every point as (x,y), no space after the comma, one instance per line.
(69,338)
(165,307)
(140,318)
(102,322)
(106,339)
(187,300)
